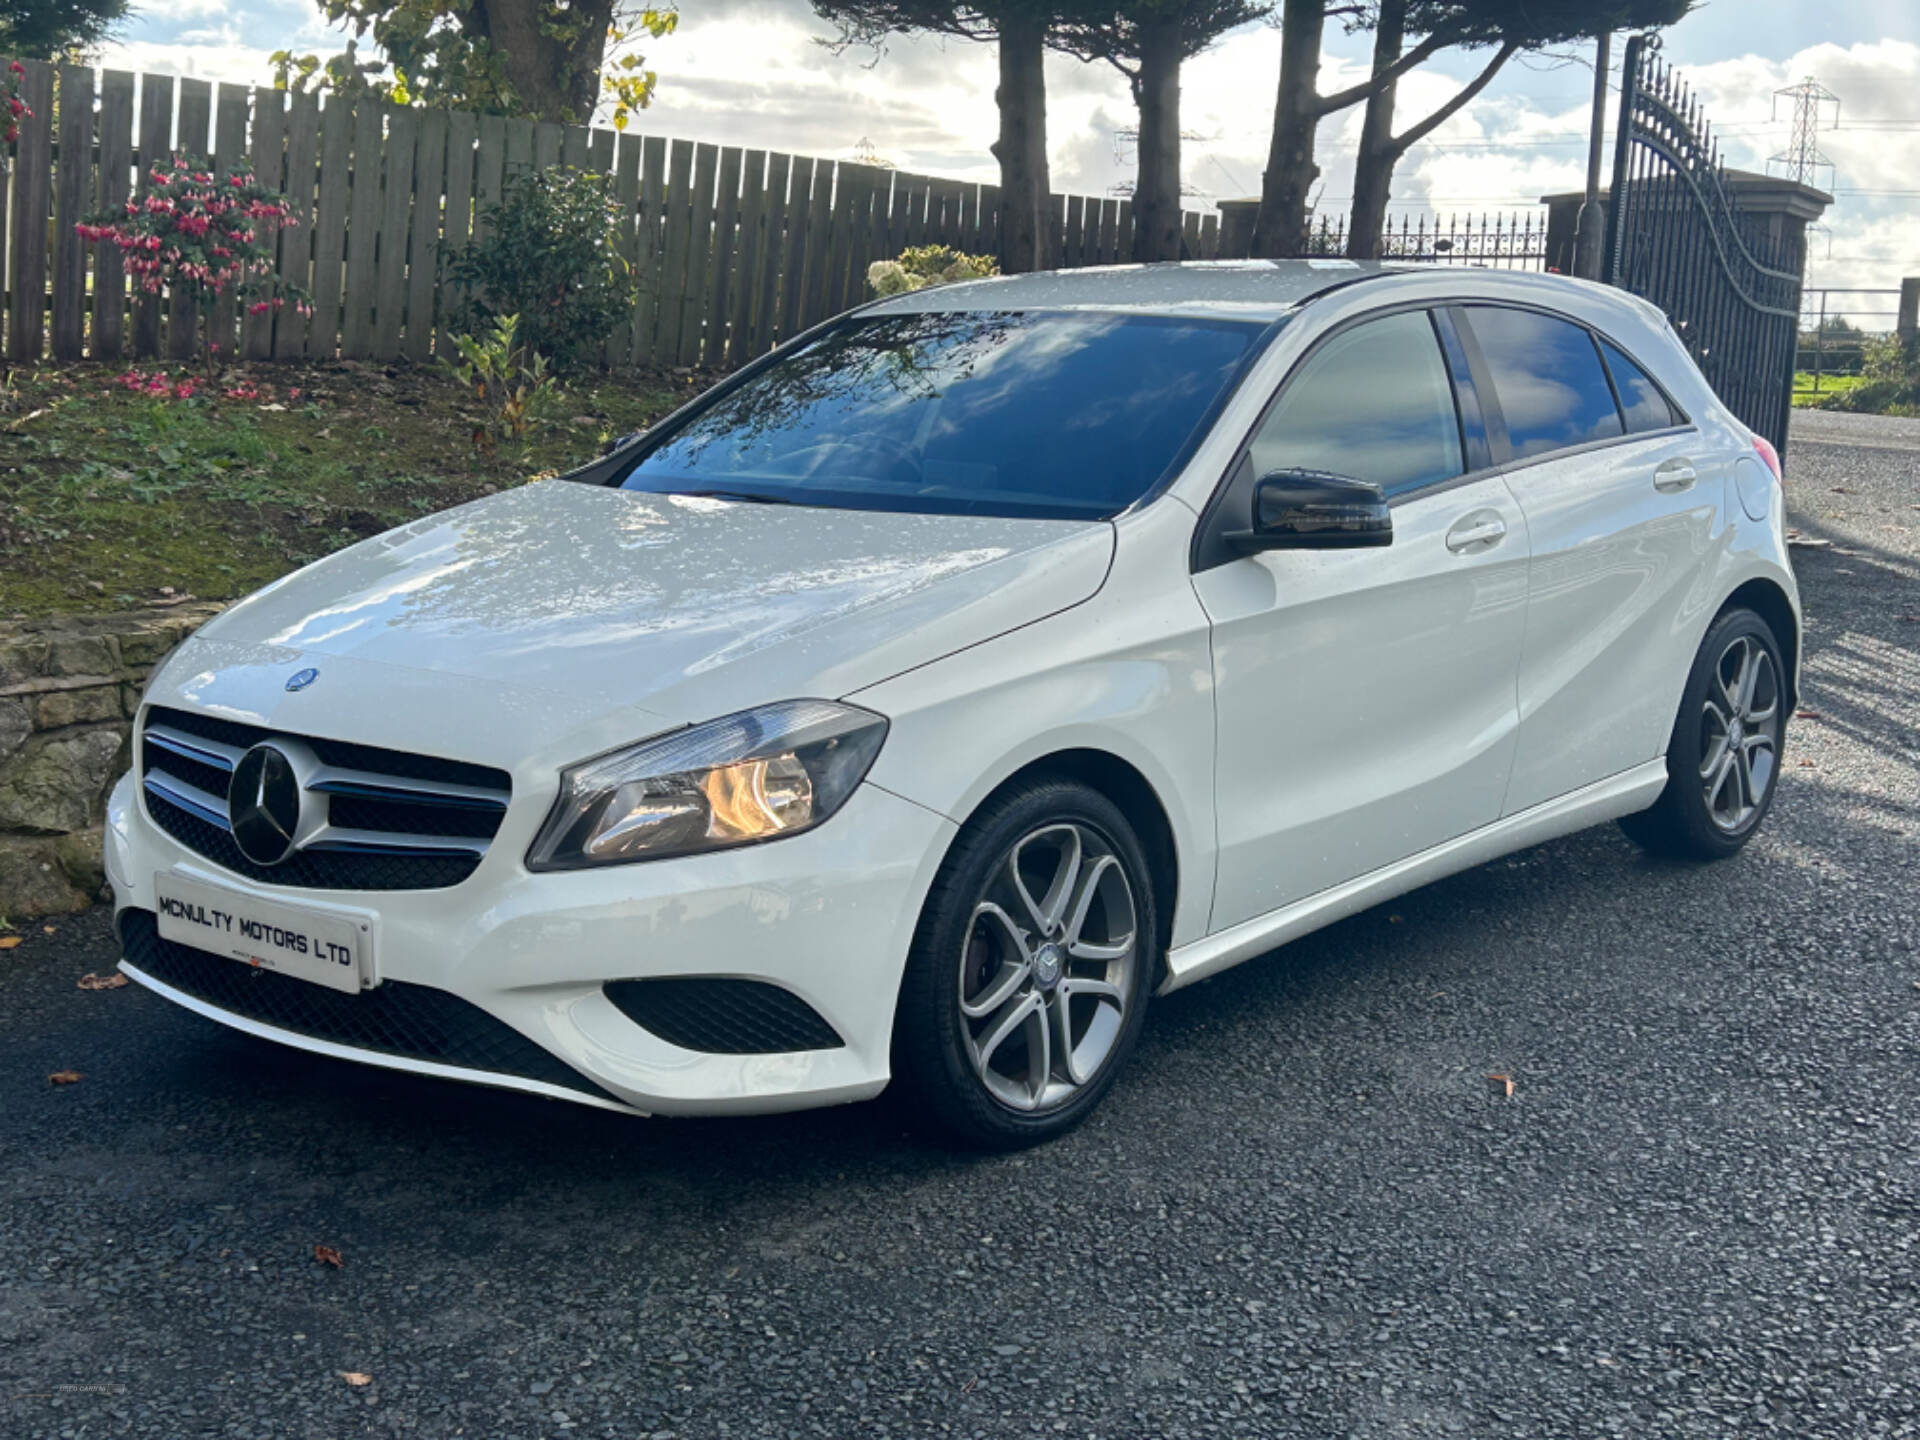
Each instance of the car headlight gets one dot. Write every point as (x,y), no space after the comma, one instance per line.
(738,780)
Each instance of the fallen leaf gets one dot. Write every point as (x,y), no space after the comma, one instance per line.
(356,1378)
(1505,1081)
(327,1255)
(50,929)
(1806,764)
(65,1077)
(91,981)
(8,942)
(1808,715)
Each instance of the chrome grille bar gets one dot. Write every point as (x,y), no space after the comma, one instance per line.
(191,798)
(194,747)
(333,781)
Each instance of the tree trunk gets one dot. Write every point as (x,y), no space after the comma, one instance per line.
(1022,146)
(1373,167)
(1280,229)
(555,79)
(1156,189)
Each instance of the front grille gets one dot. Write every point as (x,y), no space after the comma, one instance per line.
(390,819)
(416,1022)
(723,1017)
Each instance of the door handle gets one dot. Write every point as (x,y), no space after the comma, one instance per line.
(1675,476)
(1476,532)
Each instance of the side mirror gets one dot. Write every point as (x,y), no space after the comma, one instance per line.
(1315,510)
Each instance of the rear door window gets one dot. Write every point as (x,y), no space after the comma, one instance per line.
(1546,372)
(1374,403)
(1643,403)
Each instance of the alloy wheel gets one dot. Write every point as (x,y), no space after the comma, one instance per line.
(1740,733)
(1048,968)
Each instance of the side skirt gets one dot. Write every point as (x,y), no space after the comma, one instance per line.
(1622,794)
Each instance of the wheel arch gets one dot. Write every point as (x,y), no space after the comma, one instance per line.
(1123,783)
(1768,599)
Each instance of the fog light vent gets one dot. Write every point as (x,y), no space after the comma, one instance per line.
(723,1017)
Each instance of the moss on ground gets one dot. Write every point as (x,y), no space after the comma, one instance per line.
(112,496)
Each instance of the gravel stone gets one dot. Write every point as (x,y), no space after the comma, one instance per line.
(1304,1211)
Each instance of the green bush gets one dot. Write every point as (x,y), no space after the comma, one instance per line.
(552,258)
(1891,385)
(509,378)
(923,265)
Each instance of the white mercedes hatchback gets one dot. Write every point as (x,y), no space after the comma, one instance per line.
(921,700)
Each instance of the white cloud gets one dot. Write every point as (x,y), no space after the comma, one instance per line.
(752,72)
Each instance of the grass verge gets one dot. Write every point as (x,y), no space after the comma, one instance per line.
(115,492)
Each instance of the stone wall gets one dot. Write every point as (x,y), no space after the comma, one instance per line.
(68,690)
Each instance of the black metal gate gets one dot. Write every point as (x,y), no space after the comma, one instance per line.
(1676,237)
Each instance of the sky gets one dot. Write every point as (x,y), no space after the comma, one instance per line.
(754,72)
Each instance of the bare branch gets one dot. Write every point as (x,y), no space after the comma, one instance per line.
(1400,143)
(1374,84)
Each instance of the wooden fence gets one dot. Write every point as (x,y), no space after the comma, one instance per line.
(735,249)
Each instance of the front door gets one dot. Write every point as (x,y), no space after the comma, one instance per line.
(1365,699)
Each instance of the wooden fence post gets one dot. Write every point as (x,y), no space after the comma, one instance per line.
(773,227)
(330,228)
(112,185)
(155,145)
(625,168)
(73,193)
(267,154)
(648,238)
(363,229)
(706,162)
(32,194)
(196,123)
(231,108)
(456,220)
(718,300)
(423,241)
(398,186)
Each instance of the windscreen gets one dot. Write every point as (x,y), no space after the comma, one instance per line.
(1055,414)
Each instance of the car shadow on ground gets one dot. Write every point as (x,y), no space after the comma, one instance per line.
(386,1128)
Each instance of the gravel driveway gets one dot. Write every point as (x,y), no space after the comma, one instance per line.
(1306,1210)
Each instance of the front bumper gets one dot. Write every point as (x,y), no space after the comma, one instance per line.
(827,916)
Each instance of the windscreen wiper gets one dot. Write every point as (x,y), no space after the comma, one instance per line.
(745,497)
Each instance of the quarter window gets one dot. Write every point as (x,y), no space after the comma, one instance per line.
(1374,403)
(1546,372)
(1641,401)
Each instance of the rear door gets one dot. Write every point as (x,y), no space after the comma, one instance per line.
(1620,505)
(1364,699)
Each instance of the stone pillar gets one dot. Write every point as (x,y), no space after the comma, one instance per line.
(1777,207)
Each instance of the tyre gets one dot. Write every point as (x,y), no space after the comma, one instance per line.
(1031,968)
(1723,760)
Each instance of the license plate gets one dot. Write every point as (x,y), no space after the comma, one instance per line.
(329,949)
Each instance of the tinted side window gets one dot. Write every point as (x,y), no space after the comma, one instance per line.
(1646,408)
(1375,403)
(1547,374)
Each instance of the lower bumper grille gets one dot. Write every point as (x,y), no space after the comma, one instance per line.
(414,1022)
(718,1016)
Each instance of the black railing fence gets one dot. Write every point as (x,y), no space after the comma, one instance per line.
(1500,241)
